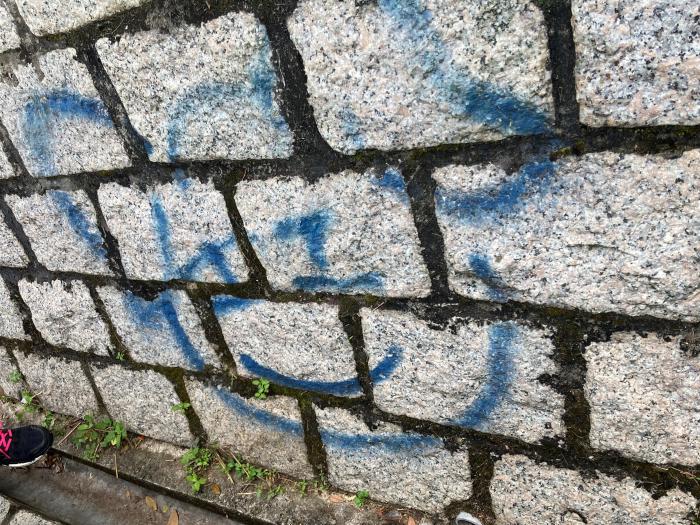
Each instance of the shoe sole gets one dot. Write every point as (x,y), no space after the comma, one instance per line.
(21,465)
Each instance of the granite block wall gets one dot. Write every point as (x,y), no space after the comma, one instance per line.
(460,239)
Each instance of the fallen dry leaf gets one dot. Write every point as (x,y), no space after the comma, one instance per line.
(216,489)
(410,521)
(174,518)
(151,503)
(336,498)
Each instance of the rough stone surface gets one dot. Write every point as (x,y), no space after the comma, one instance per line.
(10,318)
(62,230)
(163,331)
(637,61)
(60,385)
(9,39)
(48,117)
(143,401)
(7,386)
(65,315)
(348,233)
(644,394)
(201,92)
(174,231)
(11,252)
(392,75)
(57,16)
(4,508)
(6,169)
(24,517)
(394,466)
(527,493)
(265,432)
(298,345)
(477,375)
(552,233)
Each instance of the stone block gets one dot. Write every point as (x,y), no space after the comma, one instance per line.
(11,252)
(476,375)
(405,74)
(11,325)
(49,114)
(164,331)
(62,230)
(201,92)
(10,384)
(9,39)
(65,315)
(173,231)
(397,467)
(265,432)
(551,233)
(346,233)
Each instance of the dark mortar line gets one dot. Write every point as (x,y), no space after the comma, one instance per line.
(12,153)
(29,43)
(25,313)
(177,378)
(133,144)
(212,329)
(315,451)
(18,231)
(114,260)
(562,59)
(349,316)
(7,520)
(96,391)
(479,503)
(118,346)
(421,190)
(175,494)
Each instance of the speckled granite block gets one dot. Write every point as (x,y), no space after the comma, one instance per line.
(62,230)
(50,116)
(58,16)
(65,315)
(6,170)
(297,345)
(11,252)
(24,517)
(403,74)
(604,232)
(4,508)
(346,233)
(8,386)
(397,467)
(201,92)
(174,231)
(265,432)
(637,61)
(9,39)
(165,330)
(644,394)
(476,375)
(10,317)
(528,493)
(60,385)
(143,401)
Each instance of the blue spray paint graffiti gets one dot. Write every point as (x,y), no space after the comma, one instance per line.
(347,387)
(80,223)
(479,101)
(44,111)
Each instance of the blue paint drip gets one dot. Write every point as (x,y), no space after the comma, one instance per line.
(162,225)
(502,199)
(481,266)
(278,423)
(339,388)
(466,96)
(312,229)
(501,372)
(79,222)
(370,281)
(43,112)
(225,304)
(160,314)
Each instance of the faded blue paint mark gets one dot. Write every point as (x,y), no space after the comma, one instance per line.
(370,281)
(162,227)
(467,96)
(44,111)
(225,304)
(392,180)
(339,388)
(278,423)
(161,314)
(501,372)
(313,229)
(497,200)
(481,266)
(79,222)
(352,128)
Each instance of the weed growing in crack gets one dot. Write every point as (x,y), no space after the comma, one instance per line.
(30,404)
(93,436)
(361,498)
(15,376)
(195,461)
(180,407)
(263,388)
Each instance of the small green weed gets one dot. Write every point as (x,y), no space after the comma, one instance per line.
(263,388)
(93,436)
(195,461)
(15,376)
(120,356)
(361,498)
(181,407)
(303,486)
(49,420)
(30,404)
